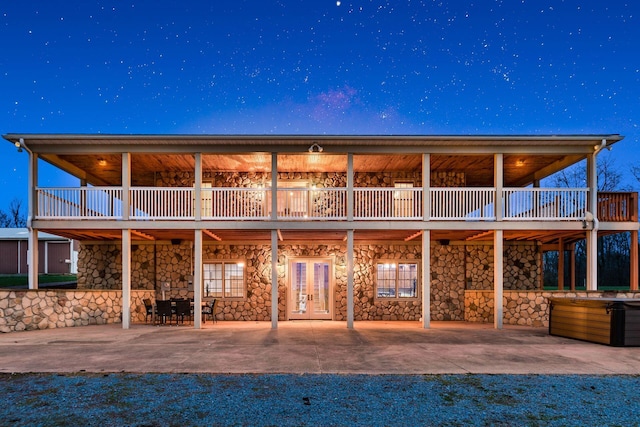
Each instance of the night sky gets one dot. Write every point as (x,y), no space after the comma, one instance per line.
(326,67)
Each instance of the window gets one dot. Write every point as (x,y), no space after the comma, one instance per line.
(396,279)
(224,280)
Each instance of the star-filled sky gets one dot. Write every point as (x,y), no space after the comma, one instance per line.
(317,67)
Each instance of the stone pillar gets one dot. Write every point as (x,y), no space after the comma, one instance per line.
(498,278)
(197,279)
(426,279)
(126,278)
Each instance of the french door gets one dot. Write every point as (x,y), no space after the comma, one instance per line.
(310,289)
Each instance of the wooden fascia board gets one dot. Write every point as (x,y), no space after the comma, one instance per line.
(64,165)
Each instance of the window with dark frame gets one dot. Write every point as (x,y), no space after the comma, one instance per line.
(223,280)
(396,280)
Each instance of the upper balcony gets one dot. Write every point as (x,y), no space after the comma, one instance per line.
(332,204)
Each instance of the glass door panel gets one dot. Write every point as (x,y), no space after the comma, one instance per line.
(310,289)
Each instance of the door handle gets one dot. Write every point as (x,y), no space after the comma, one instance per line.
(310,297)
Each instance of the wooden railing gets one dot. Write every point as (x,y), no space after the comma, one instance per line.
(330,204)
(617,207)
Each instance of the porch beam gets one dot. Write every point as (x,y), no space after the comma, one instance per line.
(197,279)
(274,279)
(426,279)
(274,187)
(350,279)
(126,278)
(498,279)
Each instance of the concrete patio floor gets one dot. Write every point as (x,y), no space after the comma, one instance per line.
(313,347)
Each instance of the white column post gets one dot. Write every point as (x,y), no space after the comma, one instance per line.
(350,279)
(426,187)
(498,179)
(32,258)
(274,186)
(126,278)
(274,279)
(498,279)
(350,198)
(126,185)
(426,279)
(197,187)
(32,209)
(592,234)
(197,279)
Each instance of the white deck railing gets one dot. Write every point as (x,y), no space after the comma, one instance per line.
(80,203)
(389,204)
(153,203)
(451,204)
(544,204)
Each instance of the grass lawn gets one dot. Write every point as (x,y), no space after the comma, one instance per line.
(12,280)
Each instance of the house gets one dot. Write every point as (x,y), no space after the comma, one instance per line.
(347,227)
(57,255)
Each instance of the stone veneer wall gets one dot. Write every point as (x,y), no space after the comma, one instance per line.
(524,308)
(24,310)
(522,266)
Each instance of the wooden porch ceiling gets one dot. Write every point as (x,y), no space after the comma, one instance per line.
(546,237)
(106,169)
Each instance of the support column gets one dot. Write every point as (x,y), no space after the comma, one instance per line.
(197,279)
(561,264)
(633,259)
(572,267)
(274,279)
(426,279)
(32,209)
(592,234)
(498,180)
(350,198)
(350,279)
(32,258)
(498,279)
(274,186)
(126,278)
(126,185)
(426,187)
(197,187)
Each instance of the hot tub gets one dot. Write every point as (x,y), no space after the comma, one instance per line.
(611,321)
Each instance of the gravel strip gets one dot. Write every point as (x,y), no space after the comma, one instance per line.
(318,400)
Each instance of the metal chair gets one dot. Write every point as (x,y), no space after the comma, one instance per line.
(163,310)
(148,306)
(183,308)
(210,309)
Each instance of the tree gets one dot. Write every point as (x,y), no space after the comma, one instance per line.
(15,217)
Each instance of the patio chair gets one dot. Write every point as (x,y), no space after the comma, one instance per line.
(148,306)
(183,308)
(210,309)
(163,310)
